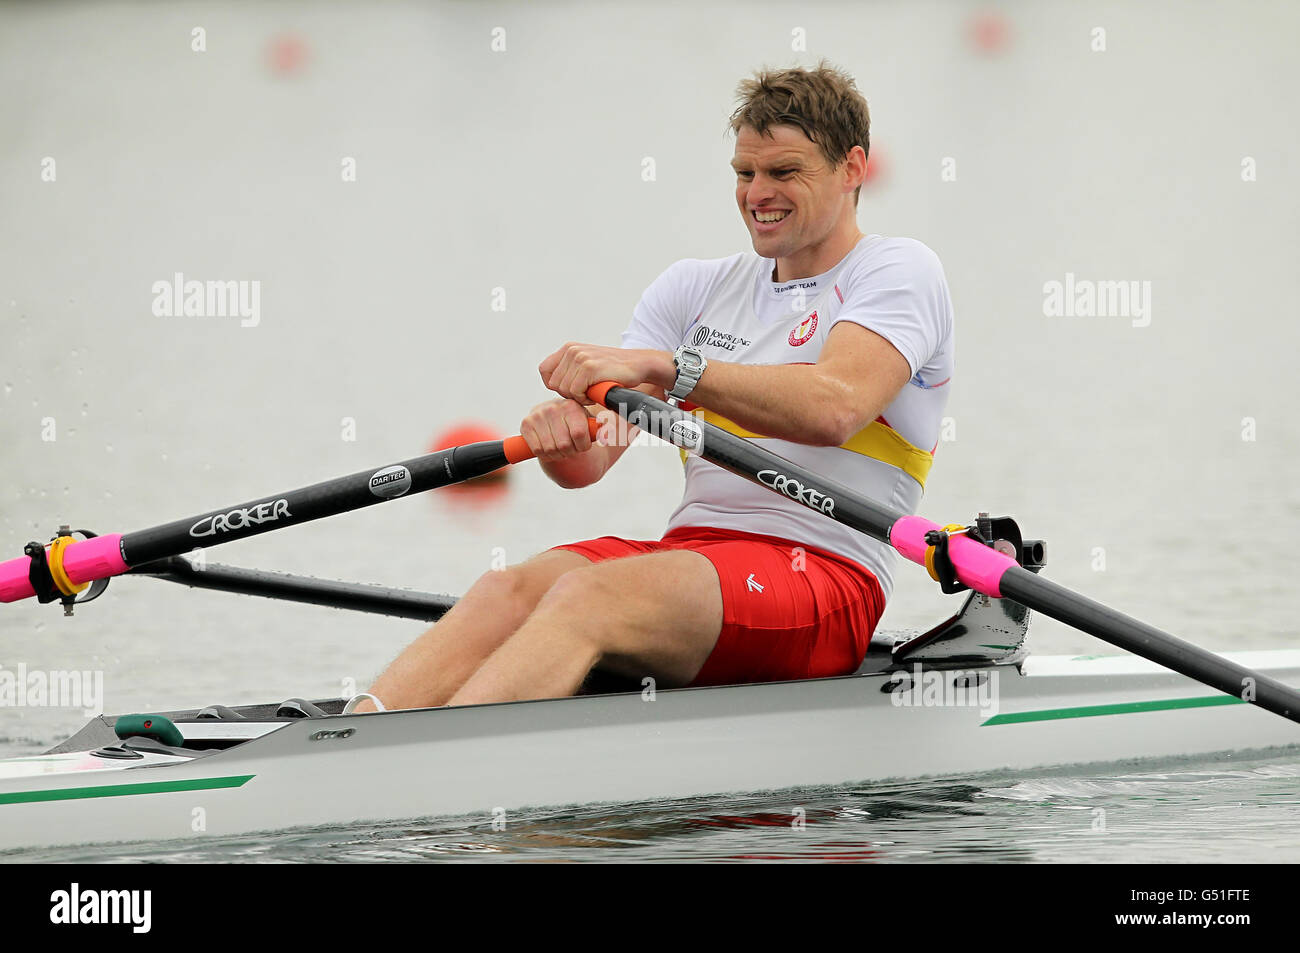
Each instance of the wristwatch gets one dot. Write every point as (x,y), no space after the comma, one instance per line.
(690,366)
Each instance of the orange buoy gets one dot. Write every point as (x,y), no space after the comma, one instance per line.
(989,33)
(875,166)
(465,432)
(471,432)
(286,54)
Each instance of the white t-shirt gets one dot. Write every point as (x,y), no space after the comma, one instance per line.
(731,310)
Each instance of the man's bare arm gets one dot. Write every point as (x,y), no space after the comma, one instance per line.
(857,376)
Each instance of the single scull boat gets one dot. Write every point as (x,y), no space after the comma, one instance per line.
(964,697)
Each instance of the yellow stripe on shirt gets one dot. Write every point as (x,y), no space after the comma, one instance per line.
(876,440)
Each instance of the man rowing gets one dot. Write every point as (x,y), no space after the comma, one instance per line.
(831,347)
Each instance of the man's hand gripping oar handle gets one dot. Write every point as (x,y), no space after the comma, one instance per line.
(516,448)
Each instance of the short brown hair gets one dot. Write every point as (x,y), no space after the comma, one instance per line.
(823,102)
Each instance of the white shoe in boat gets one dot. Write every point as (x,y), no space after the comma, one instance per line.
(355,700)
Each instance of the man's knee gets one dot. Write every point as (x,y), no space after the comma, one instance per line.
(600,589)
(524,584)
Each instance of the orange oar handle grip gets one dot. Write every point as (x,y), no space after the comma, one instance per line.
(596,392)
(516,448)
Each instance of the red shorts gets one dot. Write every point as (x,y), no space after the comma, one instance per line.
(789,611)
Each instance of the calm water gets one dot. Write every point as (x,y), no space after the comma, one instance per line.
(1185,812)
(1157,461)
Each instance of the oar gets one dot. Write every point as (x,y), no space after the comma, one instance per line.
(978,566)
(103,556)
(354,596)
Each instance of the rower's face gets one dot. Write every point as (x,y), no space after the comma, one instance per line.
(785,172)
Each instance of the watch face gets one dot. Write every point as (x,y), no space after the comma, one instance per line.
(690,360)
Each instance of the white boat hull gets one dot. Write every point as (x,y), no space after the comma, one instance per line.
(618,748)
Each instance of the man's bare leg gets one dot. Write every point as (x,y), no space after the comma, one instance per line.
(657,614)
(431,669)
